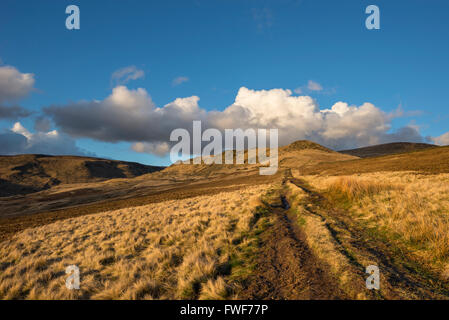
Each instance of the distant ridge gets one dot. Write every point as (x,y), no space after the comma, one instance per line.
(387,149)
(28,173)
(430,160)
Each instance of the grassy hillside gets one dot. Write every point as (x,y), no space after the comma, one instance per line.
(224,231)
(23,174)
(387,149)
(301,153)
(178,249)
(432,160)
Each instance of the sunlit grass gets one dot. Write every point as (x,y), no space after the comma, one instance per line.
(409,209)
(181,249)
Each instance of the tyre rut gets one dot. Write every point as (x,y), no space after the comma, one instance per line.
(286,267)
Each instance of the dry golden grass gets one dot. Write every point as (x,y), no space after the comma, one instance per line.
(409,209)
(169,250)
(388,149)
(431,161)
(357,188)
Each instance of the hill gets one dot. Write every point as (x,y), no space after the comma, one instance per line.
(301,153)
(304,145)
(23,174)
(430,161)
(44,184)
(227,232)
(387,149)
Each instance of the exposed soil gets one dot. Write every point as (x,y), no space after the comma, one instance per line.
(286,268)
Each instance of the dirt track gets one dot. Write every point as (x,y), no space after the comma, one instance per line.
(287,270)
(286,267)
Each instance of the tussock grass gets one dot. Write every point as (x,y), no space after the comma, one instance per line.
(409,209)
(357,188)
(180,249)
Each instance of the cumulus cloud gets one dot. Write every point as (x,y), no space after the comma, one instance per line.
(157,148)
(19,140)
(14,85)
(178,80)
(131,115)
(341,126)
(442,140)
(125,115)
(126,74)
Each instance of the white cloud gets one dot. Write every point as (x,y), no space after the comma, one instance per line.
(160,149)
(131,115)
(19,129)
(442,140)
(339,127)
(126,74)
(178,80)
(125,115)
(129,100)
(14,85)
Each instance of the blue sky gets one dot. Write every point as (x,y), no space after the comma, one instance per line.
(221,46)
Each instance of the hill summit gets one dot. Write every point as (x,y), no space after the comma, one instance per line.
(304,145)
